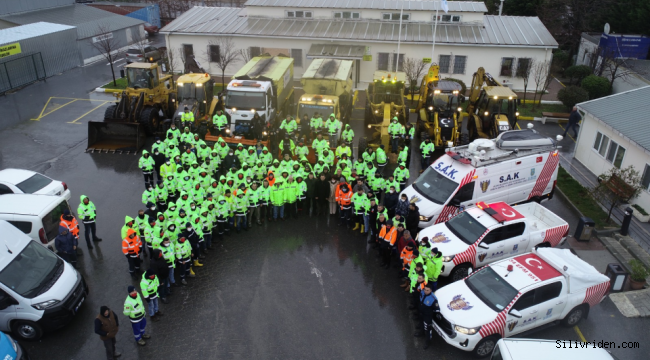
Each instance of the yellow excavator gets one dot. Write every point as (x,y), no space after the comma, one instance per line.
(438,110)
(492,107)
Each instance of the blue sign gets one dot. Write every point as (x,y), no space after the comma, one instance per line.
(447,170)
(624,46)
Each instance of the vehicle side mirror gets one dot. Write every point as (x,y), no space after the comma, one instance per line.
(515,313)
(455,202)
(483,246)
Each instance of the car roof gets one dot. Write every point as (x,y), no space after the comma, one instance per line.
(13,240)
(534,349)
(27,204)
(15,176)
(527,269)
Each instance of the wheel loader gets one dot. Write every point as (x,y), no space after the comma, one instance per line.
(438,110)
(195,91)
(137,113)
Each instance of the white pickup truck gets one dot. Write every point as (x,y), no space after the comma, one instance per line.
(515,295)
(487,233)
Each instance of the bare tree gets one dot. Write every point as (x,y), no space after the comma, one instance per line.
(171,57)
(222,52)
(138,42)
(245,54)
(413,69)
(617,186)
(614,67)
(542,77)
(524,74)
(107,46)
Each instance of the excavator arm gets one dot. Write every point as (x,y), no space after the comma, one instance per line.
(431,76)
(480,79)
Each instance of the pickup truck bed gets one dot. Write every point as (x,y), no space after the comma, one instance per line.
(539,217)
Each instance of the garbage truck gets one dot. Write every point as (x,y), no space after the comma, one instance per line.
(264,86)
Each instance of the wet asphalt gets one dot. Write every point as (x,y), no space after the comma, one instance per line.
(304,288)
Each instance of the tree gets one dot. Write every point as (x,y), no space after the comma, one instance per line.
(617,186)
(224,55)
(571,95)
(413,69)
(245,54)
(578,72)
(107,46)
(172,55)
(524,72)
(542,77)
(596,86)
(615,67)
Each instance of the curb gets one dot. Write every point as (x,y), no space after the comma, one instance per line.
(102,90)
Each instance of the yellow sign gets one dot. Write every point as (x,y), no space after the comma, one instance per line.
(426,60)
(367,57)
(9,49)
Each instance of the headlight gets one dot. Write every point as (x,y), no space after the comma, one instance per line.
(448,258)
(264,133)
(430,108)
(228,130)
(253,111)
(45,304)
(424,218)
(517,113)
(234,109)
(467,331)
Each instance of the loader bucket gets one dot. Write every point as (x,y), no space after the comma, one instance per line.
(114,137)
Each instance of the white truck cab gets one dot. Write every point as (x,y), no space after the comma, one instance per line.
(244,98)
(491,232)
(38,290)
(515,295)
(534,349)
(518,166)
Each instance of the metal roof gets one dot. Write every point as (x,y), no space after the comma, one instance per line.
(626,112)
(330,69)
(495,31)
(411,5)
(87,19)
(335,51)
(23,32)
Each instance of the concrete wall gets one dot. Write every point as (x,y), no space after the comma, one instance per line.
(486,56)
(588,156)
(585,52)
(277,12)
(122,37)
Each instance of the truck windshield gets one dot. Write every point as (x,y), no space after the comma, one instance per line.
(435,186)
(245,100)
(465,227)
(140,78)
(310,110)
(488,286)
(186,91)
(33,271)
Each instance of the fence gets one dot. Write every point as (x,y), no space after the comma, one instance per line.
(21,71)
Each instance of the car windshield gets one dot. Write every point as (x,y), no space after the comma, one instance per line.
(245,100)
(31,271)
(140,78)
(310,110)
(491,288)
(465,227)
(34,183)
(434,186)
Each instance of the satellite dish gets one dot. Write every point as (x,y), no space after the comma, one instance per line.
(606,30)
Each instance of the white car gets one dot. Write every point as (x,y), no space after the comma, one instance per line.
(534,349)
(515,295)
(18,181)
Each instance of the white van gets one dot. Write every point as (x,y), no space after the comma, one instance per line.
(38,290)
(516,167)
(533,349)
(38,216)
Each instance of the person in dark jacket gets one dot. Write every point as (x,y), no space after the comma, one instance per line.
(257,125)
(159,160)
(390,201)
(311,193)
(322,194)
(381,221)
(574,119)
(402,206)
(159,265)
(372,220)
(190,234)
(230,161)
(413,219)
(106,326)
(66,245)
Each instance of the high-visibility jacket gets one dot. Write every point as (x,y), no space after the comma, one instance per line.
(407,257)
(332,126)
(219,121)
(348,135)
(316,123)
(267,158)
(183,251)
(290,192)
(301,151)
(187,116)
(149,287)
(361,204)
(343,150)
(264,195)
(427,149)
(253,197)
(344,198)
(368,157)
(72,225)
(411,132)
(146,163)
(169,255)
(403,155)
(381,156)
(277,195)
(394,129)
(389,236)
(401,175)
(176,133)
(87,213)
(319,146)
(148,196)
(131,246)
(290,126)
(134,309)
(376,183)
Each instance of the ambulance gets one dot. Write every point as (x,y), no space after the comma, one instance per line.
(516,295)
(518,166)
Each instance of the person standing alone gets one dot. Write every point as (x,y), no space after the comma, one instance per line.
(88,214)
(574,119)
(107,326)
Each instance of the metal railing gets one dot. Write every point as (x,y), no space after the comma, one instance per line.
(20,71)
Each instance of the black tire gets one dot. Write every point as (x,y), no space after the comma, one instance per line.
(27,330)
(460,272)
(464,139)
(109,114)
(574,316)
(485,347)
(363,144)
(150,120)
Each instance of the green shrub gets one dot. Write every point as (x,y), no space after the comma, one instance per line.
(596,86)
(577,72)
(571,95)
(639,272)
(462,84)
(560,58)
(640,209)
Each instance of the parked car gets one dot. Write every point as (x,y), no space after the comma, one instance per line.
(534,349)
(19,181)
(151,29)
(135,54)
(11,349)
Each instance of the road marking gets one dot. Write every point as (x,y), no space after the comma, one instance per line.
(93,109)
(556,79)
(319,275)
(116,61)
(570,137)
(577,330)
(53,110)
(518,127)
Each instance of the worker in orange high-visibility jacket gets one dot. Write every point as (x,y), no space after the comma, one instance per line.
(344,199)
(387,240)
(69,222)
(131,245)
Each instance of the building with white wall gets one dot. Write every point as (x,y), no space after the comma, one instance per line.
(614,132)
(367,31)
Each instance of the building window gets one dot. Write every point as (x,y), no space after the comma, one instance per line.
(296,54)
(400,64)
(255,51)
(188,50)
(444,62)
(600,145)
(506,66)
(615,154)
(459,64)
(386,62)
(447,18)
(215,54)
(298,14)
(382,61)
(522,67)
(395,16)
(645,180)
(347,15)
